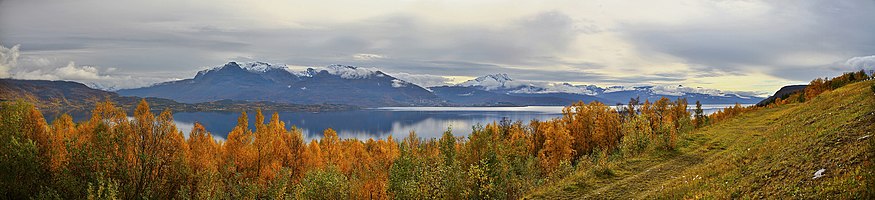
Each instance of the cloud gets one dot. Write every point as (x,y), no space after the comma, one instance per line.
(592,42)
(795,40)
(8,59)
(422,80)
(15,64)
(366,56)
(71,71)
(862,62)
(35,75)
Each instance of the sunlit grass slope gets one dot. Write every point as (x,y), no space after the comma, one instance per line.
(767,153)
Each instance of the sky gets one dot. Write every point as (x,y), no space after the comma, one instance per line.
(733,45)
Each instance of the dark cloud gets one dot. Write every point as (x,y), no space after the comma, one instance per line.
(169,39)
(727,43)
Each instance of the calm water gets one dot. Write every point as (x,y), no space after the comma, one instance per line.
(428,122)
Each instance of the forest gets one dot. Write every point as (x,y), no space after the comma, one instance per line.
(145,156)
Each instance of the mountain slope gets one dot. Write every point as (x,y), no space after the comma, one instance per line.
(52,93)
(262,82)
(57,97)
(768,153)
(783,93)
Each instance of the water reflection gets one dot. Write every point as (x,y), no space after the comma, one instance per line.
(428,122)
(375,123)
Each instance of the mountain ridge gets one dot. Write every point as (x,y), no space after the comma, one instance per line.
(502,83)
(58,97)
(370,87)
(336,84)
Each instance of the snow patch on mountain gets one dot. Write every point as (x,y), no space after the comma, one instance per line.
(254,67)
(546,88)
(739,96)
(503,81)
(345,71)
(618,88)
(398,83)
(492,82)
(261,67)
(350,72)
(681,90)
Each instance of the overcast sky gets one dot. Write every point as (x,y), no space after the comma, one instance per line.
(743,45)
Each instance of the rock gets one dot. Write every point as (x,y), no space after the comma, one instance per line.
(819,173)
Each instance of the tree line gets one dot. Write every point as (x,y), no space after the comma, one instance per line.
(112,155)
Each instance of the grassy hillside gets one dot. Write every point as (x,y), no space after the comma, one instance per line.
(767,153)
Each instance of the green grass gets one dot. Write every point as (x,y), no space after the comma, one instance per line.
(768,153)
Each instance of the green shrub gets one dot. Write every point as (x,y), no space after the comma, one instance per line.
(479,183)
(403,176)
(103,188)
(328,183)
(22,171)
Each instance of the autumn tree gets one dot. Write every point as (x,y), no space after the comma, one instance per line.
(204,161)
(293,152)
(156,145)
(239,154)
(557,145)
(267,146)
(606,129)
(313,158)
(579,120)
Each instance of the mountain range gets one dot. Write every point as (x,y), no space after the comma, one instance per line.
(340,84)
(58,97)
(258,81)
(562,93)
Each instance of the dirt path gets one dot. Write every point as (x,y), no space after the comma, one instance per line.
(651,179)
(628,187)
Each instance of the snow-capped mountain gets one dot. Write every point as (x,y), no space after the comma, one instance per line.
(349,72)
(678,90)
(254,67)
(492,82)
(504,84)
(370,87)
(259,81)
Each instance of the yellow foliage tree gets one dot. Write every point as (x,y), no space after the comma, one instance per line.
(557,145)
